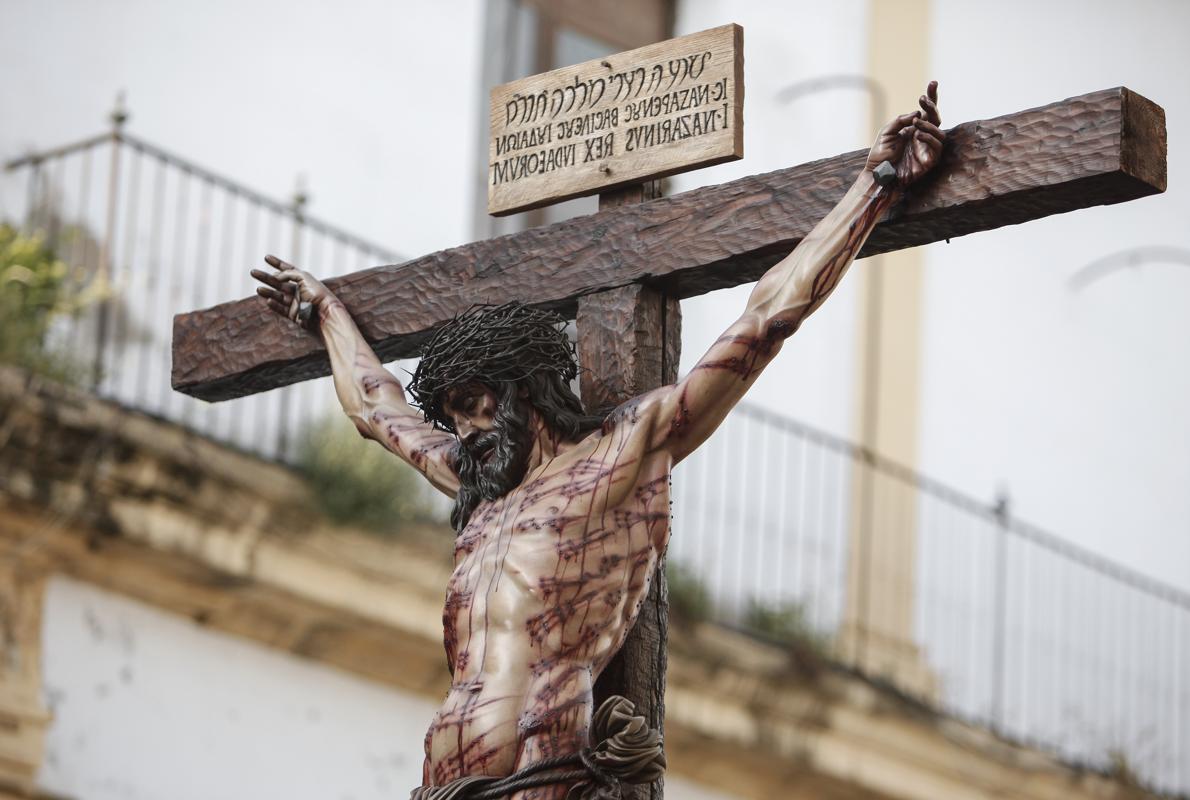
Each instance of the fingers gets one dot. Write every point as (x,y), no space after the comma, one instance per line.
(272,294)
(926,149)
(266,278)
(929,133)
(929,103)
(930,128)
(283,290)
(291,274)
(280,290)
(277,263)
(901,123)
(279,301)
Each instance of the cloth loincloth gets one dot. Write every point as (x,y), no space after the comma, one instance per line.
(628,751)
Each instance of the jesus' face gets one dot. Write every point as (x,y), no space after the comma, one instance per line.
(494,438)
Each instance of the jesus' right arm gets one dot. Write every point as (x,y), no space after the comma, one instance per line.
(686,414)
(371,396)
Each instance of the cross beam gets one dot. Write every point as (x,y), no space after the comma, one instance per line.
(1099,148)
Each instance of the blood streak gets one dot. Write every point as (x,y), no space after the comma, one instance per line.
(549,578)
(551,575)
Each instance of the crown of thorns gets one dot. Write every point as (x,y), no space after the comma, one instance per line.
(490,344)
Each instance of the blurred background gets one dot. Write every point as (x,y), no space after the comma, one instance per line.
(942,551)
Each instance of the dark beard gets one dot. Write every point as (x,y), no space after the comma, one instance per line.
(487,477)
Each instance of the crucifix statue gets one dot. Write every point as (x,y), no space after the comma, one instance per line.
(561,510)
(561,517)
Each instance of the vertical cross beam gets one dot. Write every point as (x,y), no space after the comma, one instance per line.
(629,341)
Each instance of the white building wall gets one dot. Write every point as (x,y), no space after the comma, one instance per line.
(373,102)
(1076,401)
(786,43)
(1072,400)
(150,706)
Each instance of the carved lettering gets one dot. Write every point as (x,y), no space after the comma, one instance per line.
(672,130)
(599,148)
(532,137)
(573,124)
(537,162)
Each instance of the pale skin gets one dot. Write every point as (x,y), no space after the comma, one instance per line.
(549,578)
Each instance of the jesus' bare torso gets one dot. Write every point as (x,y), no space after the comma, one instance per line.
(548,580)
(550,575)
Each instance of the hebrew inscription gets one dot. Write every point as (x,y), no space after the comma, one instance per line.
(654,111)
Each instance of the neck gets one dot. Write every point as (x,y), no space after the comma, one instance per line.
(547,443)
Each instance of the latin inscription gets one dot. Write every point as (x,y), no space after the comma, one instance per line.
(631,117)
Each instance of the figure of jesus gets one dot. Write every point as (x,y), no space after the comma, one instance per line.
(560,518)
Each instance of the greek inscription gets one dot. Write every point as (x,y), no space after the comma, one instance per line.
(586,124)
(681,100)
(530,137)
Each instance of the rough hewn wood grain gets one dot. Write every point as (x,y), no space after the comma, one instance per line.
(657,110)
(629,341)
(619,346)
(1100,148)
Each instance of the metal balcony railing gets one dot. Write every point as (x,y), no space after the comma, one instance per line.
(787,530)
(987,618)
(165,235)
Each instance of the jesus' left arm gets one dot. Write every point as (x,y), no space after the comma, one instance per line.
(686,414)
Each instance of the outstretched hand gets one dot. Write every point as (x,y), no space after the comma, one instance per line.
(912,143)
(291,292)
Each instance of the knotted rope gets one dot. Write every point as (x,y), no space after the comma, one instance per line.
(628,751)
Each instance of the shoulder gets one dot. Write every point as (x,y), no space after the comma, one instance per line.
(642,415)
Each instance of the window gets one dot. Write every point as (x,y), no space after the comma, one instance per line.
(525,37)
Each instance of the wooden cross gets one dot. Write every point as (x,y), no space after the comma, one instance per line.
(625,267)
(1095,149)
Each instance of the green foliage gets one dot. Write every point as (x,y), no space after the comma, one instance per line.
(357,482)
(1119,766)
(36,287)
(689,601)
(787,623)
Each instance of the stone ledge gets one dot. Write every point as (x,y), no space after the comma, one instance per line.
(141,507)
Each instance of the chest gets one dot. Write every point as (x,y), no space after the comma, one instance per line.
(561,512)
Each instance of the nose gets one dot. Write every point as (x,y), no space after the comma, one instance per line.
(464,429)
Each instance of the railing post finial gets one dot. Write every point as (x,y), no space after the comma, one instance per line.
(300,196)
(1001,506)
(119,114)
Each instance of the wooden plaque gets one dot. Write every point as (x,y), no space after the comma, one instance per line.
(635,116)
